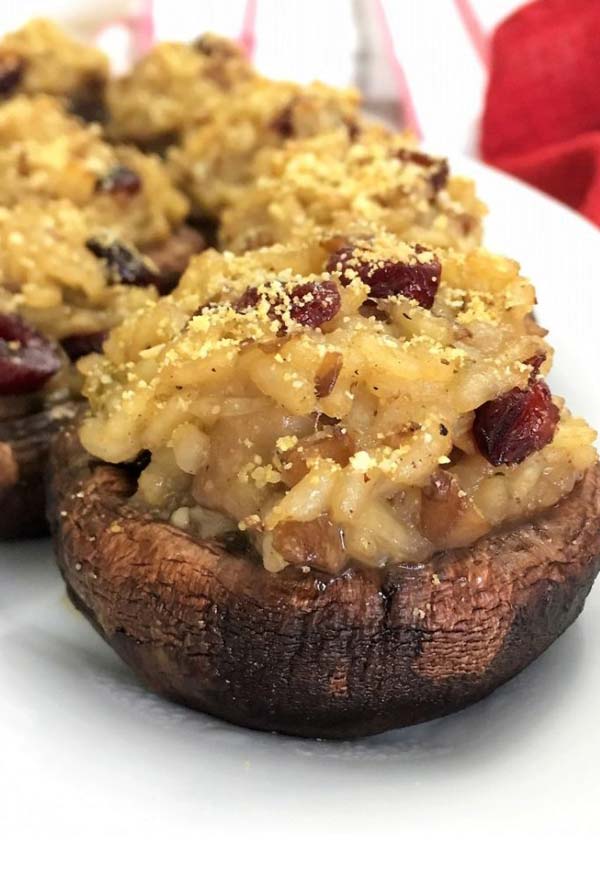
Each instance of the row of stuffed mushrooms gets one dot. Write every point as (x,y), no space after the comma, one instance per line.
(302,464)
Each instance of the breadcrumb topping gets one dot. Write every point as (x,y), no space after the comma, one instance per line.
(376,450)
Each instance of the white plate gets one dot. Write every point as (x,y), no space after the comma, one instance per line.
(92,764)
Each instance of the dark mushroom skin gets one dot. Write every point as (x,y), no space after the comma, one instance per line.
(24,442)
(171,256)
(301,653)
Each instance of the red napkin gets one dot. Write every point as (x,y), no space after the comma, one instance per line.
(542,114)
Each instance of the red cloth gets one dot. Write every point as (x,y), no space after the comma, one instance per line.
(542,114)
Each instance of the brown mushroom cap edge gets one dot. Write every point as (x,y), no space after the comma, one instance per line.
(24,443)
(303,653)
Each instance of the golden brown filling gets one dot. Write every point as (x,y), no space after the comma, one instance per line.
(40,58)
(77,213)
(58,274)
(174,87)
(215,161)
(48,154)
(345,181)
(367,400)
(74,213)
(372,390)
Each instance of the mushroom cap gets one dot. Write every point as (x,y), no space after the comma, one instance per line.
(305,653)
(24,442)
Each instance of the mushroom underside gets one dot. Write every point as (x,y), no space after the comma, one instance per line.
(204,623)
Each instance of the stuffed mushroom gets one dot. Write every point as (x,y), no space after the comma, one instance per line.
(89,231)
(325,489)
(351,178)
(40,58)
(63,285)
(176,86)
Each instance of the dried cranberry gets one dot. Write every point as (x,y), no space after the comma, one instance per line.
(417,280)
(27,359)
(12,68)
(311,304)
(315,303)
(79,344)
(124,266)
(248,300)
(120,180)
(507,430)
(439,166)
(283,123)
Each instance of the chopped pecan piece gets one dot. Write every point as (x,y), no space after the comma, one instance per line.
(317,543)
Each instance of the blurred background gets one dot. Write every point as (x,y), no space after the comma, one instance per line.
(339,41)
(512,83)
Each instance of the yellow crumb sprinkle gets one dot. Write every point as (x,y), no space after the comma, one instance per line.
(285,443)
